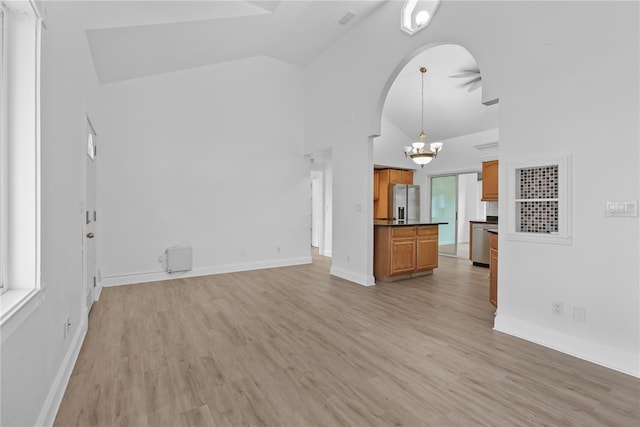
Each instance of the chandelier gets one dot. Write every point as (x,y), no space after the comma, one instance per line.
(420,154)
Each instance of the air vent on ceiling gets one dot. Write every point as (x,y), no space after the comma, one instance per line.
(347,17)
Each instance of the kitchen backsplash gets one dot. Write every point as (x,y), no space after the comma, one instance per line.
(492,208)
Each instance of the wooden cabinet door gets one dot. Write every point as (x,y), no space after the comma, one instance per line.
(403,255)
(490,181)
(382,204)
(427,256)
(395,176)
(493,271)
(407,177)
(427,248)
(376,184)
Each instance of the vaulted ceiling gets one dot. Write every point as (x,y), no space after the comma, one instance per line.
(450,108)
(132,39)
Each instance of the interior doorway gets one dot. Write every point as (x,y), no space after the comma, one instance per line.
(321,195)
(455,199)
(90,285)
(316,208)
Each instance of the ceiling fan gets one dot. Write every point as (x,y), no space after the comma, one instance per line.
(474,79)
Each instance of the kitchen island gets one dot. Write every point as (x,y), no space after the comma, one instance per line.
(404,249)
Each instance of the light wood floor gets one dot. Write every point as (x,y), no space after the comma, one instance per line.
(296,347)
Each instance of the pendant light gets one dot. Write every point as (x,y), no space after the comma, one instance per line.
(418,152)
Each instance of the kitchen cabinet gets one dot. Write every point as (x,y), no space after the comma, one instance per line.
(376,184)
(490,181)
(427,248)
(493,270)
(401,252)
(381,180)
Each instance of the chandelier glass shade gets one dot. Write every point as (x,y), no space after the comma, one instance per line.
(418,152)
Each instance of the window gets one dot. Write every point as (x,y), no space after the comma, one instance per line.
(538,200)
(20,164)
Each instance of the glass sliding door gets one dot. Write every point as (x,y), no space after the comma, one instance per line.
(444,208)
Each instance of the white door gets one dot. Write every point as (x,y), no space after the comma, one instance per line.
(316,211)
(90,216)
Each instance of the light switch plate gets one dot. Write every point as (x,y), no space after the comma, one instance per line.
(628,208)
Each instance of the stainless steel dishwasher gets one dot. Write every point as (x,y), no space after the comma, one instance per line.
(480,248)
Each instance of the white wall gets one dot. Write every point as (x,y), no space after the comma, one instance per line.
(576,106)
(209,156)
(36,358)
(469,193)
(538,60)
(388,147)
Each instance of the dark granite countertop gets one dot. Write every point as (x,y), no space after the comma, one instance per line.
(493,231)
(395,223)
(483,222)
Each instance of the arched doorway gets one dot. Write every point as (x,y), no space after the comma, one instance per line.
(449,109)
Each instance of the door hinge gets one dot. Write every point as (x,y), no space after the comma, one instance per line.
(95,150)
(94,281)
(95,216)
(88,221)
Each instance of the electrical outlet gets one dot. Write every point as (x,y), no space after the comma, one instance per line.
(557,308)
(580,314)
(160,259)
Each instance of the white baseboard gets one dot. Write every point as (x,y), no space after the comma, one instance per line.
(56,393)
(327,252)
(360,279)
(132,278)
(588,350)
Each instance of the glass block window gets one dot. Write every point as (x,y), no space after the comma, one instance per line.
(537,199)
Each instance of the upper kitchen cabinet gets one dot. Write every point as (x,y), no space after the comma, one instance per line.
(381,180)
(490,181)
(397,176)
(376,184)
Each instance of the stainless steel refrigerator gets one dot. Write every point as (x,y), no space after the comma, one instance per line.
(404,202)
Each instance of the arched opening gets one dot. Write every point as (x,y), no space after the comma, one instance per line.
(449,109)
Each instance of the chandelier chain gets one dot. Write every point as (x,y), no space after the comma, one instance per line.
(422,110)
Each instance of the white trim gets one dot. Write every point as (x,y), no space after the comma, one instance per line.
(563,236)
(51,405)
(3,157)
(360,279)
(155,276)
(581,348)
(488,151)
(17,305)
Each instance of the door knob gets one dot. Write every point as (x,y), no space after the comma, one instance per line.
(90,235)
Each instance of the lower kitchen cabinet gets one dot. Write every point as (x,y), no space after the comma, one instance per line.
(404,251)
(403,255)
(427,248)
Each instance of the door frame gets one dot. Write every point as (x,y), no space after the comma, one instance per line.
(455,226)
(318,175)
(89,295)
(457,173)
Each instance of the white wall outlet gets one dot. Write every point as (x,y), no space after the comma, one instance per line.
(557,308)
(160,259)
(580,314)
(628,208)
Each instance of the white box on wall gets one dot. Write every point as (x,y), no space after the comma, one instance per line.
(179,258)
